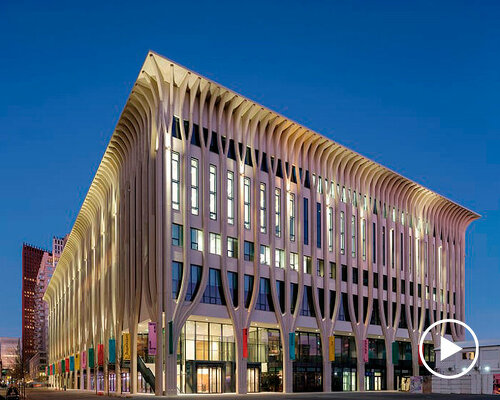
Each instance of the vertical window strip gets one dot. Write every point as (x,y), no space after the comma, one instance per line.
(263,208)
(176,181)
(306,221)
(374,243)
(342,232)
(195,206)
(330,228)
(291,212)
(230,197)
(353,236)
(393,248)
(277,208)
(318,225)
(363,237)
(247,203)
(213,192)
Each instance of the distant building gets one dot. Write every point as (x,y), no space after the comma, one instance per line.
(38,362)
(8,352)
(481,379)
(31,260)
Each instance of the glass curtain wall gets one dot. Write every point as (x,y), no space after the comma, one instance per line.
(206,358)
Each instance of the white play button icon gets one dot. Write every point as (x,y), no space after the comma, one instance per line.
(448,348)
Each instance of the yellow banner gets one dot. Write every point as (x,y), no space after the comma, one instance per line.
(126,346)
(77,361)
(331,348)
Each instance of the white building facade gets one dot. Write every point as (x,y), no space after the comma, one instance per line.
(268,257)
(484,376)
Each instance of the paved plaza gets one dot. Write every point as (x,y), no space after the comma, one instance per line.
(44,394)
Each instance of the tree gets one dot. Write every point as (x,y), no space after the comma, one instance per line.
(20,369)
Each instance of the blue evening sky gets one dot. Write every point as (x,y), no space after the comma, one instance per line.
(412,85)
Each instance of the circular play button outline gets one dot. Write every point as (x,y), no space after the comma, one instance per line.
(421,348)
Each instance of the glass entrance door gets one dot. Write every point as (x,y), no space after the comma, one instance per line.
(253,380)
(209,379)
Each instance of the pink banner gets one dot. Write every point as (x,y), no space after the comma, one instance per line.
(365,350)
(84,359)
(152,338)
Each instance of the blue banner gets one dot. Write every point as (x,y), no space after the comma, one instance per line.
(72,363)
(112,351)
(292,345)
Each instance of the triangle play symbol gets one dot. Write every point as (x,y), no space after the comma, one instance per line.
(448,348)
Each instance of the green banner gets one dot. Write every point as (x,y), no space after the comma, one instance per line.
(91,358)
(395,353)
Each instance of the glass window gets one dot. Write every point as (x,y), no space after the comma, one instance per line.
(307,308)
(230,197)
(263,208)
(213,192)
(232,278)
(374,245)
(333,270)
(277,208)
(280,258)
(194,281)
(213,292)
(264,299)
(176,179)
(318,225)
(265,255)
(248,251)
(215,245)
(383,245)
(393,249)
(342,232)
(330,228)
(320,267)
(363,238)
(195,206)
(306,221)
(246,204)
(177,235)
(196,239)
(307,265)
(232,247)
(294,261)
(176,278)
(248,289)
(291,212)
(353,236)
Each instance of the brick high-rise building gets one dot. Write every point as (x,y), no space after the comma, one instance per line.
(32,257)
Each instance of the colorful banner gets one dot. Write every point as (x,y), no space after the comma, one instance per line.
(420,362)
(90,359)
(112,351)
(152,338)
(84,359)
(245,343)
(126,346)
(72,363)
(395,353)
(291,345)
(365,350)
(66,364)
(63,366)
(331,348)
(100,355)
(77,361)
